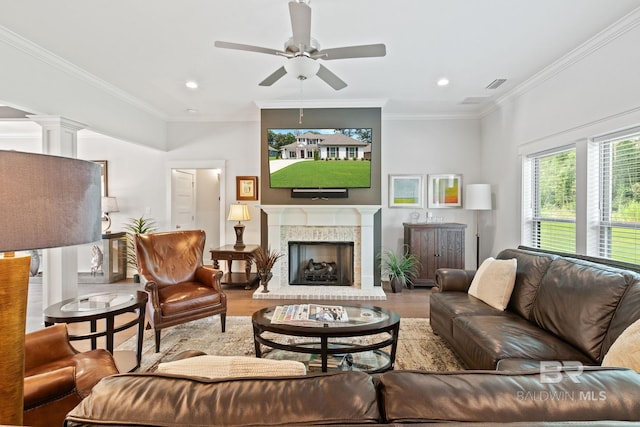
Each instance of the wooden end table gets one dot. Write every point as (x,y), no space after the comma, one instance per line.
(229,253)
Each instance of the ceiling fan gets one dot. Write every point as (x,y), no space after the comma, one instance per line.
(303,51)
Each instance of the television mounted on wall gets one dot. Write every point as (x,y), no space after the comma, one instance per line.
(319,158)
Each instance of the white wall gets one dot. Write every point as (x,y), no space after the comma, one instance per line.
(594,91)
(429,146)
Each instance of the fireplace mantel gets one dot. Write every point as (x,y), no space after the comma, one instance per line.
(355,220)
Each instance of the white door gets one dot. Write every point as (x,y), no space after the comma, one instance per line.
(183,203)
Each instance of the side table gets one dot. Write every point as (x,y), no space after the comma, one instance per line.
(229,253)
(107,305)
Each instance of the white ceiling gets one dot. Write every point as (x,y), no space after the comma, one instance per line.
(149,48)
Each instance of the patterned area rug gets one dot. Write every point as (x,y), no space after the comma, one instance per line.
(418,347)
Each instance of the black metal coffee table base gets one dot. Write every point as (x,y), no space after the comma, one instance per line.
(327,339)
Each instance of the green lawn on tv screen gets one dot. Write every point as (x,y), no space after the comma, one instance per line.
(323,174)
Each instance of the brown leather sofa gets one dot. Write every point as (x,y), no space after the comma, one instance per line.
(57,376)
(561,309)
(600,397)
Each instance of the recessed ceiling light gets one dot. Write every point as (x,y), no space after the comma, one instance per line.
(442,81)
(191,84)
(191,110)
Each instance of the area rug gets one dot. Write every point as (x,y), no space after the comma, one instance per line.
(418,347)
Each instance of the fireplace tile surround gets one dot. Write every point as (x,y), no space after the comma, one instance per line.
(338,223)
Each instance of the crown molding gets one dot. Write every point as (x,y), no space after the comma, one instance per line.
(603,38)
(322,103)
(17,41)
(428,117)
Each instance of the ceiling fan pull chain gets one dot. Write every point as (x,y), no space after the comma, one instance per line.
(301,112)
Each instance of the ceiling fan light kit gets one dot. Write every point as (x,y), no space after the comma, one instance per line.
(302,52)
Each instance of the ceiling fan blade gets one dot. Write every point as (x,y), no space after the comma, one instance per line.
(300,23)
(363,51)
(274,77)
(249,48)
(331,79)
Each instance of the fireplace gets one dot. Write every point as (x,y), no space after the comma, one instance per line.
(321,263)
(344,224)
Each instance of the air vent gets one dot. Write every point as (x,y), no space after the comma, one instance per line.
(476,99)
(496,83)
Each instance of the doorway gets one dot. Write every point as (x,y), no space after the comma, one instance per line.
(197,199)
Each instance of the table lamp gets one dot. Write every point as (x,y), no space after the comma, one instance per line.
(109,204)
(478,198)
(45,202)
(239,213)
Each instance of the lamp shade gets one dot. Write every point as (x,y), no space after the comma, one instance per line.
(47,201)
(478,197)
(239,213)
(110,204)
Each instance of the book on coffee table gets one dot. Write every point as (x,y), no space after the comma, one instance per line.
(309,313)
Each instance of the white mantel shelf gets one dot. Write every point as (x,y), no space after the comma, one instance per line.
(356,220)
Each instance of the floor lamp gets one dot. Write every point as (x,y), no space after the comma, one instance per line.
(478,198)
(45,202)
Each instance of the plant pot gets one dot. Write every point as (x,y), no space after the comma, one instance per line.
(265,276)
(396,285)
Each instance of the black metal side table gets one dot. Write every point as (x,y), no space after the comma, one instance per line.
(93,307)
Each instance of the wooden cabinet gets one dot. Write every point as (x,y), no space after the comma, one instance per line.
(436,246)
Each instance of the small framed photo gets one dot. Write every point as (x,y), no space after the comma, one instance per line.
(246,188)
(445,191)
(406,191)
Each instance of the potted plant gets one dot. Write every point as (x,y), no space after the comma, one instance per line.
(140,225)
(400,268)
(265,259)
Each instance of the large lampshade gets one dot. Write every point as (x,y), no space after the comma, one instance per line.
(45,202)
(478,197)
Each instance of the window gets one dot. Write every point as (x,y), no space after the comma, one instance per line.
(618,229)
(549,202)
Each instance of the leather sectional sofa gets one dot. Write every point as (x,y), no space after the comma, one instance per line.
(561,309)
(601,397)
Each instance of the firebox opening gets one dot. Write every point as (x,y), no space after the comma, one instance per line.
(321,263)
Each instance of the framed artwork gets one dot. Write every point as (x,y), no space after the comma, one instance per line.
(405,191)
(445,191)
(246,188)
(104,177)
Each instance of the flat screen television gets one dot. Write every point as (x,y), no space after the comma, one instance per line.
(319,158)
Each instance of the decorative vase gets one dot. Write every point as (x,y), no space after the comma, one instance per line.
(34,267)
(265,276)
(396,285)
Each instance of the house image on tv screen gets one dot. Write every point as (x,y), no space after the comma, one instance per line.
(328,146)
(319,158)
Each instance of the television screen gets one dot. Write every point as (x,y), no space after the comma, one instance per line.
(319,158)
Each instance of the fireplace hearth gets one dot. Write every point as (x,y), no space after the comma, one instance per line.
(321,263)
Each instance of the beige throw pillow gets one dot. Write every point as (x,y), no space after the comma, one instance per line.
(494,281)
(232,367)
(625,351)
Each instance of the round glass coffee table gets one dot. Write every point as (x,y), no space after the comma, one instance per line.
(103,306)
(363,338)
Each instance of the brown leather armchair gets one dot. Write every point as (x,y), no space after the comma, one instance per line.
(57,377)
(180,288)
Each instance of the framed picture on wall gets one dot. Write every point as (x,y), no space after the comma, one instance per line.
(405,191)
(445,191)
(246,188)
